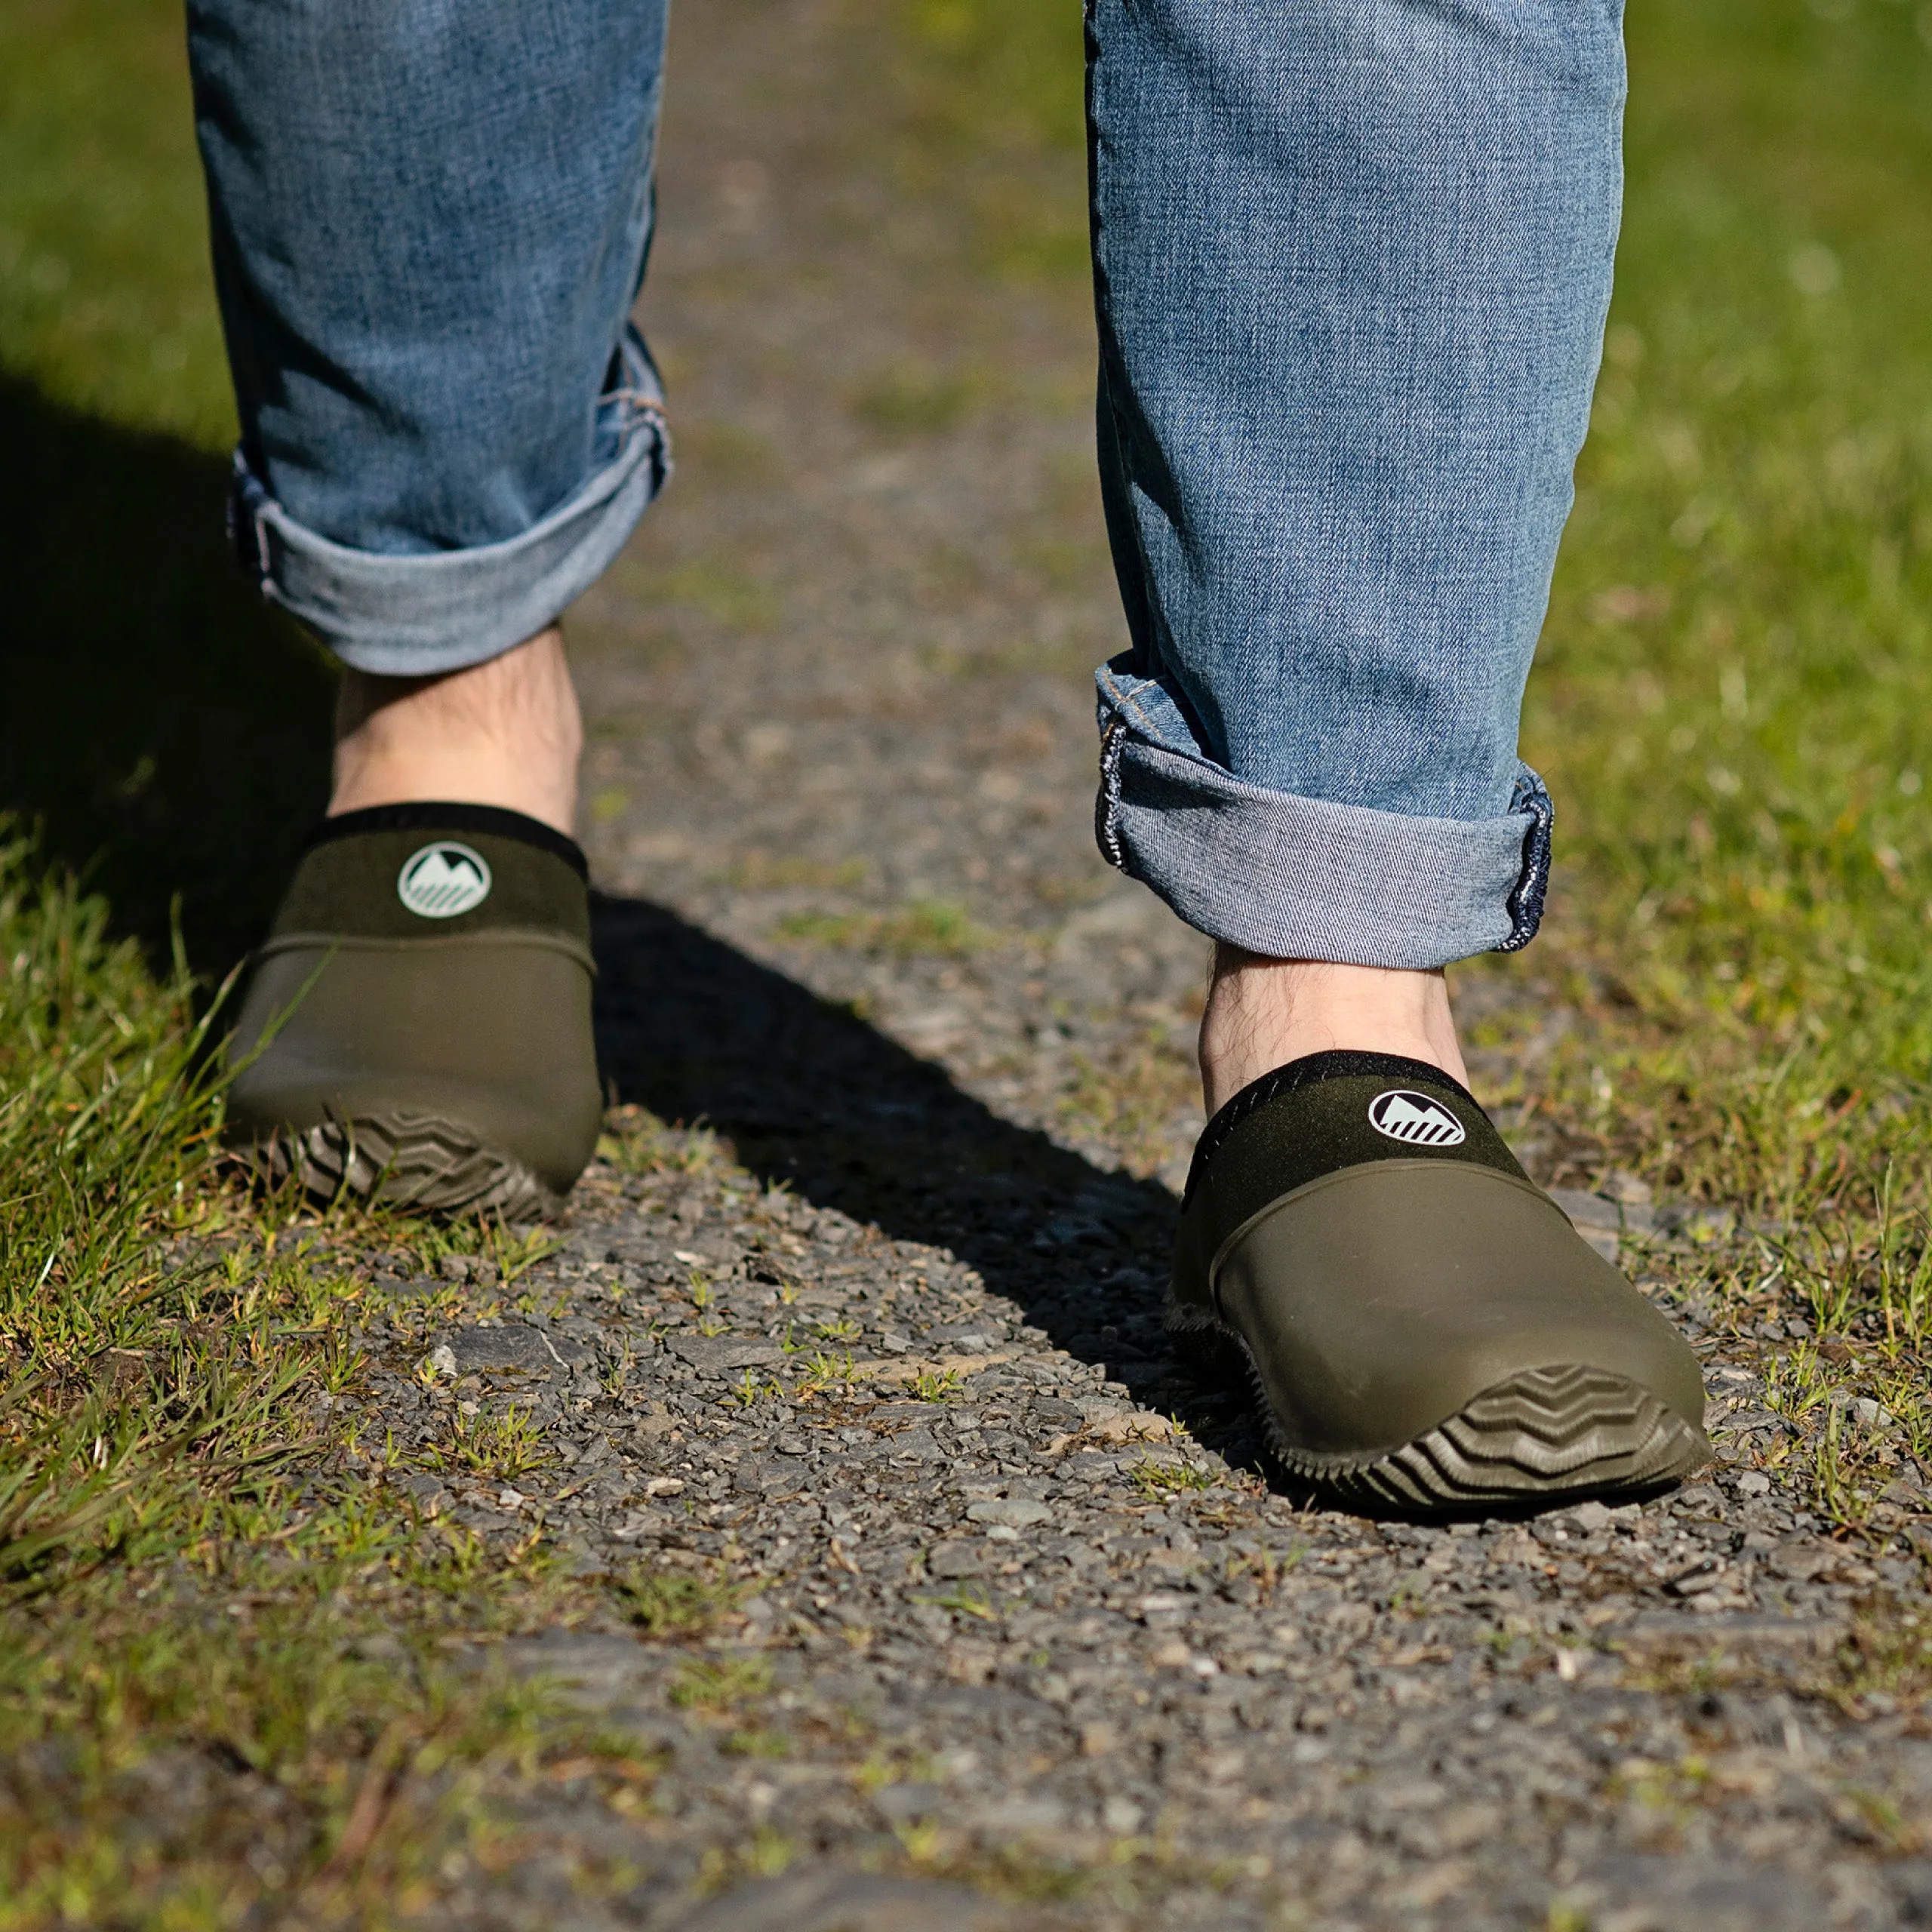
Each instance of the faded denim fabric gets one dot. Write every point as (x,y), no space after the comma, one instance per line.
(1352,260)
(429,222)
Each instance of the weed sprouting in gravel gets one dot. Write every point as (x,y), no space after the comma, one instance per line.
(504,1446)
(765,1854)
(943,1385)
(750,1389)
(1133,1098)
(636,1142)
(515,1251)
(1018,1872)
(720,1687)
(926,927)
(754,1743)
(822,1371)
(666,1604)
(1161,1480)
(1888,1652)
(372,1769)
(969,1600)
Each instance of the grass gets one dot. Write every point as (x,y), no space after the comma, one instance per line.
(104,299)
(675,1603)
(926,927)
(1132,1098)
(945,1385)
(721,1687)
(196,1772)
(1160,1481)
(206,1714)
(909,401)
(1737,654)
(637,1143)
(501,1447)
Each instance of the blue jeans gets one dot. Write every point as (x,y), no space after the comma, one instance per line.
(1352,261)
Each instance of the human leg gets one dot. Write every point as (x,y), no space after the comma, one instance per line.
(1261,1013)
(1352,269)
(429,226)
(1351,265)
(505,732)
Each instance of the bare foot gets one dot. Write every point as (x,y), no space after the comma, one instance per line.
(504,733)
(1263,1012)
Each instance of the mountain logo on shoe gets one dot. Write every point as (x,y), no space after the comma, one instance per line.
(1415,1119)
(444,879)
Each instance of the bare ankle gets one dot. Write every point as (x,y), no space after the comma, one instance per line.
(1263,1012)
(505,733)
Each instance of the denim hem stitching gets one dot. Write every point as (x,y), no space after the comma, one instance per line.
(1525,903)
(1106,799)
(1305,877)
(441,610)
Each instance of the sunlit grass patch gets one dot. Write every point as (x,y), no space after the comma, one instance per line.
(636,1142)
(501,1447)
(721,1687)
(1021,1873)
(944,1385)
(766,872)
(752,1389)
(106,303)
(927,926)
(1160,1479)
(1136,1100)
(766,1853)
(719,589)
(280,1758)
(821,1370)
(909,400)
(997,81)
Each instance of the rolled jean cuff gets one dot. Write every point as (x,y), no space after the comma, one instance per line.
(1294,877)
(415,615)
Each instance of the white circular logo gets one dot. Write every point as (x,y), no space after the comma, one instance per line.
(1416,1119)
(443,880)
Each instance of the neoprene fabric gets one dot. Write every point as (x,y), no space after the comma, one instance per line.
(1307,1119)
(445,1061)
(1421,1321)
(346,884)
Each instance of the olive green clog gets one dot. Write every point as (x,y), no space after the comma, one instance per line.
(1420,1323)
(417,1028)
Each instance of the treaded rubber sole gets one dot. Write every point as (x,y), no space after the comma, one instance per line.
(404,1160)
(1542,1437)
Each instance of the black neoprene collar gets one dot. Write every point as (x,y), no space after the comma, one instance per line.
(1338,1063)
(432,816)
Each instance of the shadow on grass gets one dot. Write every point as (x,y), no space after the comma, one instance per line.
(811,1096)
(167,729)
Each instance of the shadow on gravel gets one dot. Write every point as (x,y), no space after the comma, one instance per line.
(811,1096)
(168,730)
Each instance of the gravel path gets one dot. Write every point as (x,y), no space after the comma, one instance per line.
(992,1617)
